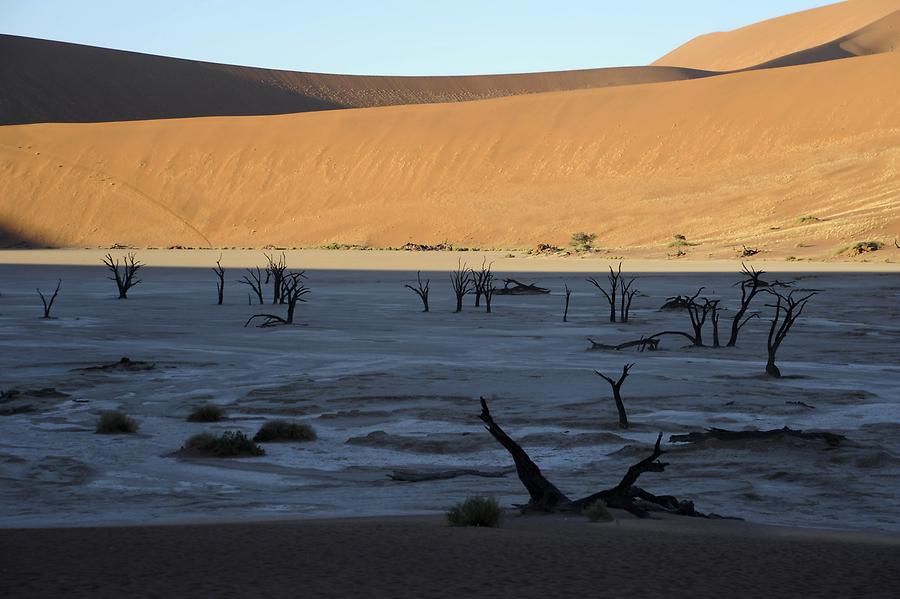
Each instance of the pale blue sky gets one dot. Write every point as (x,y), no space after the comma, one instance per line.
(402,37)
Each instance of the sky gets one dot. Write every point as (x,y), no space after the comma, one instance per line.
(392,37)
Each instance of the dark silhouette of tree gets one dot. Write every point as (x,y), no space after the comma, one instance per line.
(461,280)
(614,277)
(220,283)
(253,280)
(616,385)
(421,290)
(787,310)
(48,303)
(124,278)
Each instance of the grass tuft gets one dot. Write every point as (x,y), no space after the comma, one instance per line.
(206,413)
(282,430)
(476,511)
(230,444)
(116,423)
(598,512)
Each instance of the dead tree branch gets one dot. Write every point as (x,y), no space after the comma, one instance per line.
(461,280)
(125,279)
(514,287)
(613,277)
(421,290)
(220,283)
(566,311)
(275,272)
(787,310)
(617,395)
(481,279)
(720,434)
(254,281)
(644,343)
(751,285)
(626,294)
(48,304)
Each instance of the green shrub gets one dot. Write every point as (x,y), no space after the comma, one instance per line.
(206,413)
(476,511)
(116,423)
(597,512)
(227,445)
(582,241)
(282,430)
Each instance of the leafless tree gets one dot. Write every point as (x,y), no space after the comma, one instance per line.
(293,289)
(48,303)
(461,280)
(614,277)
(481,279)
(253,280)
(488,291)
(275,271)
(220,283)
(616,385)
(714,319)
(626,295)
(787,310)
(124,278)
(421,290)
(566,311)
(751,285)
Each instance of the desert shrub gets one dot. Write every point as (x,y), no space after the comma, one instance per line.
(860,247)
(476,511)
(282,430)
(582,241)
(116,423)
(808,218)
(206,413)
(597,512)
(227,445)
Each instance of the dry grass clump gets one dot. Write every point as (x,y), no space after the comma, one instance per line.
(598,512)
(282,430)
(206,413)
(860,247)
(476,511)
(116,423)
(230,444)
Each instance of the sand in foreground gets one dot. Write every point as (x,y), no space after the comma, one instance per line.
(423,557)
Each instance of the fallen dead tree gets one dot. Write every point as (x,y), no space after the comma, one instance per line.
(123,365)
(546,497)
(721,434)
(514,287)
(416,476)
(644,343)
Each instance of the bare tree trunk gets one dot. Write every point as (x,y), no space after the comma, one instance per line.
(613,277)
(254,281)
(275,271)
(220,283)
(787,310)
(421,290)
(627,295)
(48,304)
(566,311)
(125,279)
(617,395)
(461,280)
(488,290)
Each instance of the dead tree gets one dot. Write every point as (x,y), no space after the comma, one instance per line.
(566,311)
(275,271)
(698,314)
(714,319)
(461,280)
(644,343)
(293,290)
(514,287)
(481,279)
(617,395)
(787,310)
(421,290)
(545,496)
(220,283)
(751,285)
(626,294)
(614,277)
(48,304)
(253,280)
(488,292)
(125,279)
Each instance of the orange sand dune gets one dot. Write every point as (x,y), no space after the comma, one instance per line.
(45,81)
(724,160)
(767,40)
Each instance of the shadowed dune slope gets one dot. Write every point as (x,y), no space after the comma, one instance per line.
(46,81)
(723,160)
(767,40)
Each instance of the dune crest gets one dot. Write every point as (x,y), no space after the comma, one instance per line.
(774,38)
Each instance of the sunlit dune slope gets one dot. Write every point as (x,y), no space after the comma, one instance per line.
(45,81)
(774,38)
(724,160)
